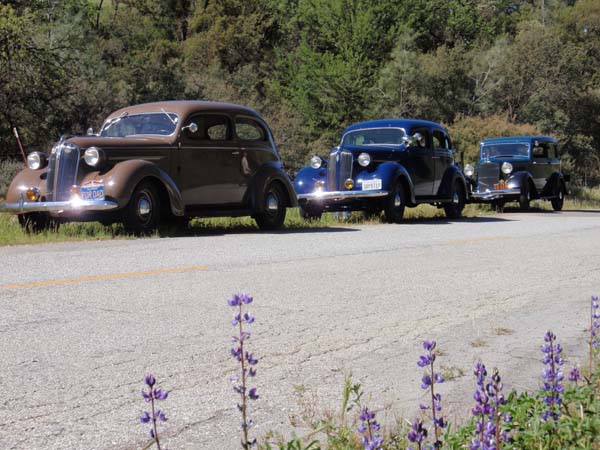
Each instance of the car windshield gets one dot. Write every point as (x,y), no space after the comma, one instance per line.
(499,150)
(374,136)
(158,123)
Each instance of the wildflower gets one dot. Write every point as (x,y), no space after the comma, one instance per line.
(594,330)
(368,428)
(552,376)
(247,363)
(428,382)
(417,433)
(151,395)
(575,374)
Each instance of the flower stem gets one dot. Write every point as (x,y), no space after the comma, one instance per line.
(435,426)
(243,392)
(154,420)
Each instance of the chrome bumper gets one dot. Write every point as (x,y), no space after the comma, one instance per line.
(71,205)
(336,196)
(493,195)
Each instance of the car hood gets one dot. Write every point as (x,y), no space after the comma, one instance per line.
(107,142)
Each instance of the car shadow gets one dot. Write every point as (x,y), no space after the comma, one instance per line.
(445,220)
(198,231)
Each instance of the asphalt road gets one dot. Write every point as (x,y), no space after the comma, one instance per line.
(81,323)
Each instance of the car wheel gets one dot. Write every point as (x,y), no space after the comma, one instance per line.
(273,209)
(37,222)
(308,213)
(455,208)
(142,214)
(395,204)
(559,200)
(525,197)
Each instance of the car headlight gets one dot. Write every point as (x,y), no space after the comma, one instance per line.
(316,162)
(36,160)
(469,170)
(93,156)
(507,168)
(364,159)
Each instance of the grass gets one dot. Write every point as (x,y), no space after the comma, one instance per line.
(11,233)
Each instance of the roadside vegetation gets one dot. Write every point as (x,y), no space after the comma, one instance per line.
(563,414)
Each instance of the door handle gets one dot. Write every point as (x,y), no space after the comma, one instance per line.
(235,153)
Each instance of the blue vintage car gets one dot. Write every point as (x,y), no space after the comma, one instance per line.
(517,168)
(384,165)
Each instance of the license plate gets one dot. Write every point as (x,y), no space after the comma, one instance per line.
(369,185)
(92,192)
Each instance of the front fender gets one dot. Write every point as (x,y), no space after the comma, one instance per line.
(24,180)
(305,180)
(389,172)
(120,181)
(267,174)
(518,179)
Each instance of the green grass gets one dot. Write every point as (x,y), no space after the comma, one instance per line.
(11,233)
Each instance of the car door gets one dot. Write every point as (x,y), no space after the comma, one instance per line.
(208,165)
(420,163)
(442,157)
(541,163)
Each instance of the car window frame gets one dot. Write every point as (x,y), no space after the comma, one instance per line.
(229,138)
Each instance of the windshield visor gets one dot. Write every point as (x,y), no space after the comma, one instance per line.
(504,150)
(161,124)
(374,136)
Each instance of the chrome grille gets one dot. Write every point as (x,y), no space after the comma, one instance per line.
(488,174)
(62,172)
(338,170)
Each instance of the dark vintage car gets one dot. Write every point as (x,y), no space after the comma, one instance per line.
(384,165)
(519,168)
(158,162)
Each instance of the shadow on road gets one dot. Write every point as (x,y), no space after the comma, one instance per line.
(198,231)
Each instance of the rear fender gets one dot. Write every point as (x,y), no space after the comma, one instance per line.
(552,185)
(451,175)
(270,173)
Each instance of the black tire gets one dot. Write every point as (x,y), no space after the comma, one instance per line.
(309,213)
(272,214)
(454,209)
(525,197)
(395,204)
(559,200)
(142,214)
(37,222)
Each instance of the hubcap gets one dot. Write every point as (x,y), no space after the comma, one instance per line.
(560,194)
(397,201)
(144,208)
(272,203)
(456,198)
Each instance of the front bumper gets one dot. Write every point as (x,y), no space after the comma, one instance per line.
(338,196)
(74,205)
(495,194)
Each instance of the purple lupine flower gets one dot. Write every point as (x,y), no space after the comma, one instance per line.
(488,398)
(428,382)
(575,375)
(247,363)
(417,434)
(594,331)
(552,377)
(368,428)
(150,396)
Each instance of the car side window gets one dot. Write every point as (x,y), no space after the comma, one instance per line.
(439,140)
(552,152)
(540,150)
(247,129)
(425,142)
(211,127)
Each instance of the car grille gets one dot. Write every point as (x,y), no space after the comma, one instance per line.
(488,174)
(338,171)
(62,172)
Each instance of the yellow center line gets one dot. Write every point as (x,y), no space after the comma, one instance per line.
(483,239)
(110,276)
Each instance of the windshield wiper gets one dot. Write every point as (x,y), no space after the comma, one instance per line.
(173,121)
(115,120)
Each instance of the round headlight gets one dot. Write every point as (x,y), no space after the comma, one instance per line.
(316,162)
(34,161)
(92,156)
(364,159)
(507,168)
(469,170)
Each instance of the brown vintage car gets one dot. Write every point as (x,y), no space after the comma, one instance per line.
(158,162)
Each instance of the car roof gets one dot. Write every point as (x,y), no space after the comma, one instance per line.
(393,123)
(184,107)
(517,139)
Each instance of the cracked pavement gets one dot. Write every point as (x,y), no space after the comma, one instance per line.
(328,301)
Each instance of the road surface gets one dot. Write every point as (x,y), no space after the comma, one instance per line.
(82,323)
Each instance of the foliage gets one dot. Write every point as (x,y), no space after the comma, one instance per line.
(8,169)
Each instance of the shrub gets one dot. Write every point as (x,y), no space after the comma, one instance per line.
(8,169)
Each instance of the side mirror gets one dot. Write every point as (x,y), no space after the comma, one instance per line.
(90,132)
(418,139)
(193,127)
